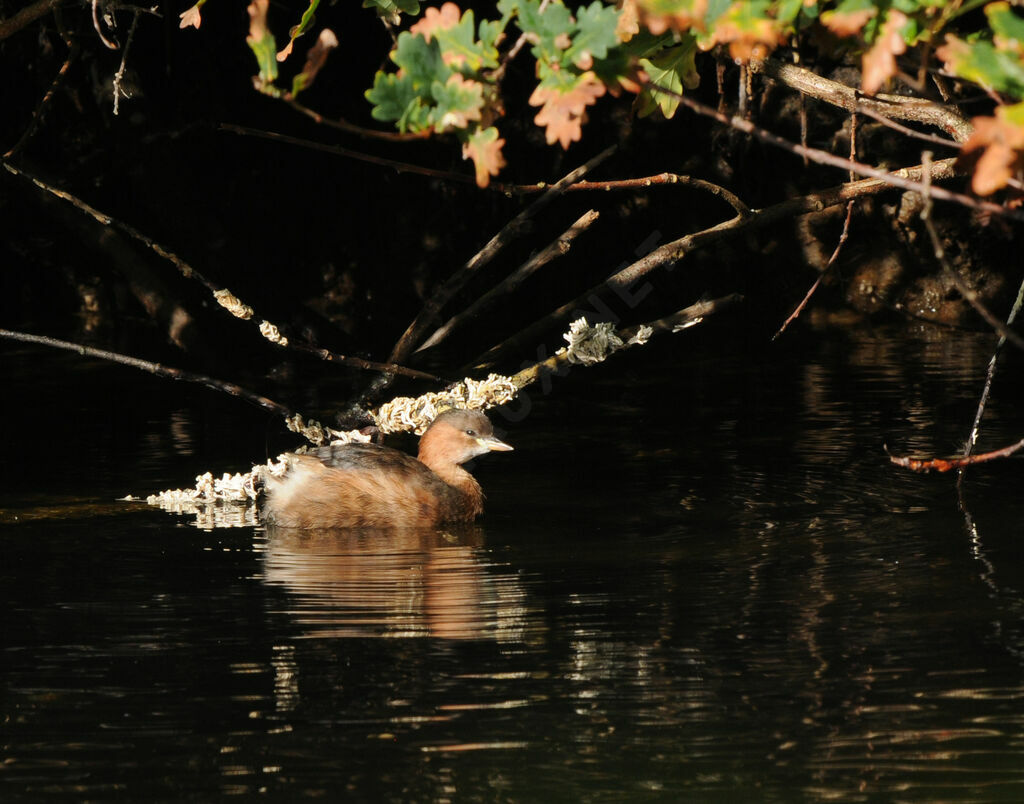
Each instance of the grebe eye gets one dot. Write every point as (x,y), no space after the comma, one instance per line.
(471,432)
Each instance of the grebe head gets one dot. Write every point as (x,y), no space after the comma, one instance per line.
(457,436)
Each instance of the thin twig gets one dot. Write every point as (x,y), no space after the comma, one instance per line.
(918,135)
(25,17)
(367,133)
(676,250)
(152,368)
(189,272)
(513,51)
(640,183)
(946,464)
(443,294)
(337,150)
(557,248)
(119,75)
(969,294)
(990,375)
(832,261)
(37,115)
(96,25)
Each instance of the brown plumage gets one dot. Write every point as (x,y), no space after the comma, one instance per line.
(365,485)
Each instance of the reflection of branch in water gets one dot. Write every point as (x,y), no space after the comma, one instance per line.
(988,577)
(396,583)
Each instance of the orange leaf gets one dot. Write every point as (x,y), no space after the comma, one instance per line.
(682,20)
(746,44)
(563,114)
(437,20)
(995,149)
(879,63)
(484,148)
(629,20)
(191,17)
(258,20)
(847,23)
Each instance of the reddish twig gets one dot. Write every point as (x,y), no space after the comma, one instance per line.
(948,464)
(367,133)
(832,261)
(640,183)
(37,116)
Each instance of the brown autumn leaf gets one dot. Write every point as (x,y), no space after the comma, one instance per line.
(879,63)
(563,114)
(953,50)
(847,23)
(684,19)
(434,19)
(484,148)
(191,17)
(258,20)
(629,20)
(316,58)
(995,150)
(749,42)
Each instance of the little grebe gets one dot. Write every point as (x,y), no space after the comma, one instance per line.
(365,485)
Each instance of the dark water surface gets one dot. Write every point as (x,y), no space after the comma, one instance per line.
(698,579)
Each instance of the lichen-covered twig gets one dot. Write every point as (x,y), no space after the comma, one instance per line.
(590,344)
(222,296)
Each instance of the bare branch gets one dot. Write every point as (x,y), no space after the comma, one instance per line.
(443,294)
(825,158)
(946,464)
(946,118)
(150,367)
(832,261)
(367,133)
(233,305)
(678,249)
(557,248)
(25,17)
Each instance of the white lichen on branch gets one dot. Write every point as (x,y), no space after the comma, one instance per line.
(230,302)
(408,413)
(272,333)
(590,344)
(317,434)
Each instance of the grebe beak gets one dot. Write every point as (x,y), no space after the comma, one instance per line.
(493,444)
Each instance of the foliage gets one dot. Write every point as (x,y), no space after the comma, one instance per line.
(448,67)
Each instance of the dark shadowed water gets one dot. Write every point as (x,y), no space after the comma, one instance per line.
(698,579)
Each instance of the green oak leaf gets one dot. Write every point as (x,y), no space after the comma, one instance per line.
(392,10)
(595,33)
(672,69)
